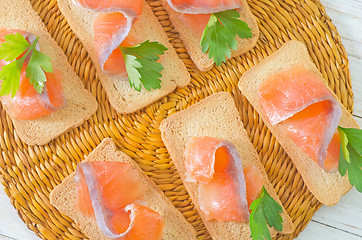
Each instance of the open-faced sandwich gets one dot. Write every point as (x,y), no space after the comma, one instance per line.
(222,172)
(39,90)
(213,30)
(109,197)
(134,60)
(308,120)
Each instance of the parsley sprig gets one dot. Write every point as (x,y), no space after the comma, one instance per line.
(142,66)
(350,156)
(265,211)
(219,36)
(11,50)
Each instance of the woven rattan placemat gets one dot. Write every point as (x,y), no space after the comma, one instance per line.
(29,173)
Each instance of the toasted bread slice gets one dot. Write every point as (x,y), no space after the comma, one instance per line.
(64,195)
(80,104)
(192,41)
(122,97)
(326,187)
(215,116)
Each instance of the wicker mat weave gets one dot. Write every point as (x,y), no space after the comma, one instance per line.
(29,173)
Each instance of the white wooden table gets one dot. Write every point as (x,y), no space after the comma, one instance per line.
(343,221)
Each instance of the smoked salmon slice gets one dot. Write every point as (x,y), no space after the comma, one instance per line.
(254,181)
(111,28)
(133,8)
(203,6)
(111,193)
(147,224)
(332,158)
(223,190)
(297,100)
(196,22)
(196,13)
(27,104)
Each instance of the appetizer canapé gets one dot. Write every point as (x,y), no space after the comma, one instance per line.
(39,90)
(213,31)
(109,197)
(134,60)
(305,116)
(222,172)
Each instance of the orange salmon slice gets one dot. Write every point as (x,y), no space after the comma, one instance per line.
(225,188)
(332,158)
(134,6)
(111,30)
(118,184)
(148,224)
(116,187)
(203,6)
(254,181)
(196,22)
(302,105)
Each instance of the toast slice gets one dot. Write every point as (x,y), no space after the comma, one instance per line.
(64,195)
(80,103)
(192,41)
(215,116)
(326,187)
(122,97)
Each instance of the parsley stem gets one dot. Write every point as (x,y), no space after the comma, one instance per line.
(31,48)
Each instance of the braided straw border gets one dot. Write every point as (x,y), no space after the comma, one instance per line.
(29,173)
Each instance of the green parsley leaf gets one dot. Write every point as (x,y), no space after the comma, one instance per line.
(265,211)
(342,164)
(10,76)
(350,156)
(355,169)
(354,136)
(142,66)
(39,63)
(14,46)
(219,36)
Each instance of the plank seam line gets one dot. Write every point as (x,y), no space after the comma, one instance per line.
(349,52)
(342,230)
(345,13)
(6,237)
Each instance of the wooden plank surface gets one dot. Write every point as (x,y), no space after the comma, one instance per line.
(343,221)
(11,225)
